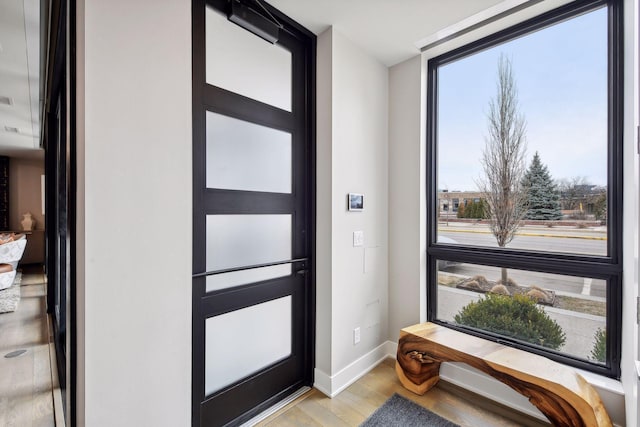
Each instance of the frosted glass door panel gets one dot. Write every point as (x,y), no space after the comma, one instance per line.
(244,240)
(242,342)
(246,156)
(242,62)
(236,278)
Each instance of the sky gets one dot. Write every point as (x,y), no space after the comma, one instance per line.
(561,77)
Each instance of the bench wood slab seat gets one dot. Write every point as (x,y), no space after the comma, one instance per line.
(558,391)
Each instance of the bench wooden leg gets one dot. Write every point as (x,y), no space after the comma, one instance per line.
(417,371)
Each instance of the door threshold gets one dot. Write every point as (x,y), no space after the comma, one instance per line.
(275,408)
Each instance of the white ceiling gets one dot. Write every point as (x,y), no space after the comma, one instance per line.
(386,29)
(19,77)
(389,30)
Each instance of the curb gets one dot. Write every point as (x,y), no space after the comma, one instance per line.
(528,234)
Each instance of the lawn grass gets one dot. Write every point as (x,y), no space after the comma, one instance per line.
(597,308)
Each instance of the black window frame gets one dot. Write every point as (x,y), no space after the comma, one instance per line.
(607,267)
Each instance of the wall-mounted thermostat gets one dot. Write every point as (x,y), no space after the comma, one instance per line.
(355,201)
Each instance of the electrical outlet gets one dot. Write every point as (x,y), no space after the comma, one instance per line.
(358,238)
(356,336)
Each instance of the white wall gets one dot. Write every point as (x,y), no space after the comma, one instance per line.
(324,180)
(407,196)
(134,214)
(352,157)
(359,165)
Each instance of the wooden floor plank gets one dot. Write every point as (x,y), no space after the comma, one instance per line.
(294,417)
(25,381)
(319,413)
(358,401)
(342,409)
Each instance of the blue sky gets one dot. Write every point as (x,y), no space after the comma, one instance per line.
(561,76)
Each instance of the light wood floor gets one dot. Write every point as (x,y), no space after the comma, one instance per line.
(352,406)
(25,381)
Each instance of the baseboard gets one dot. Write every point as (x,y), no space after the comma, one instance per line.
(477,382)
(322,382)
(331,385)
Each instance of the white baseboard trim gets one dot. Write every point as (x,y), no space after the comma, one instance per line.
(331,385)
(471,379)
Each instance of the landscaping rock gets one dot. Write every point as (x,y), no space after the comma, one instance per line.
(481,285)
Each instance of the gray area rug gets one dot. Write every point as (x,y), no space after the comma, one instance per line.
(401,412)
(10,297)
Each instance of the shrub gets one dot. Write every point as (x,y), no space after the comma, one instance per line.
(600,208)
(516,317)
(599,351)
(578,215)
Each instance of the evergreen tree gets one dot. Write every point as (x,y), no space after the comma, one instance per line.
(471,212)
(481,210)
(543,197)
(461,210)
(473,209)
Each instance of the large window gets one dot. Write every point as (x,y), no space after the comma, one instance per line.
(525,185)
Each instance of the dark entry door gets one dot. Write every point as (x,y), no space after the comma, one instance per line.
(252,230)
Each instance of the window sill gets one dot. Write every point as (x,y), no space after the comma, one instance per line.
(602,383)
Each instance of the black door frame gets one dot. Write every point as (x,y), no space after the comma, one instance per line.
(202,95)
(59,141)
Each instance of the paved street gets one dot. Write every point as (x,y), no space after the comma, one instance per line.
(572,240)
(553,239)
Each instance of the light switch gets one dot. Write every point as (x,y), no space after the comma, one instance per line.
(358,238)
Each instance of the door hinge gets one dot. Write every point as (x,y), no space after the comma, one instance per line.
(638,310)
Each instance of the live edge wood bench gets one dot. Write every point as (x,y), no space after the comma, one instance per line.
(556,390)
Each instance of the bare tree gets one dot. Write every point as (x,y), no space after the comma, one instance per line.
(572,191)
(503,160)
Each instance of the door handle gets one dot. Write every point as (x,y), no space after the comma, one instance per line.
(249,267)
